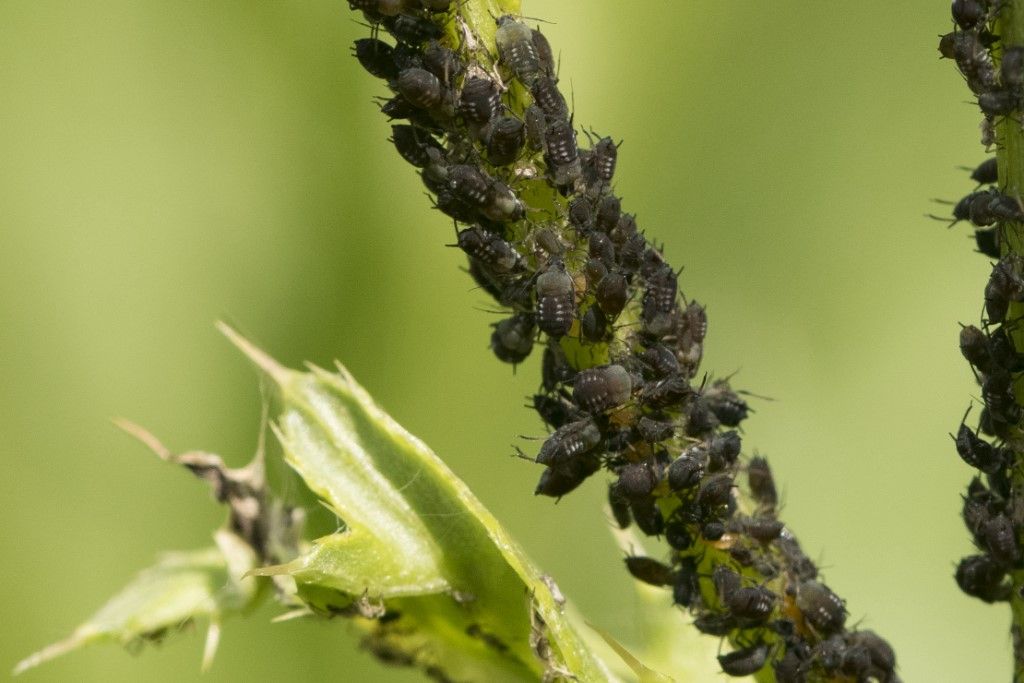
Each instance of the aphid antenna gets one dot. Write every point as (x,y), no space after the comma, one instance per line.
(942,219)
(744,392)
(703,382)
(529,438)
(491,311)
(520,454)
(374,28)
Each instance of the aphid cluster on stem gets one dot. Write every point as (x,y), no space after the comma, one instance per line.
(993,506)
(992,509)
(972,44)
(994,72)
(547,238)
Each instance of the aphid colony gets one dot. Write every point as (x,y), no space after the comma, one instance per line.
(1000,94)
(548,240)
(992,506)
(997,89)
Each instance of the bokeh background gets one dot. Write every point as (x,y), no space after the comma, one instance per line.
(164,165)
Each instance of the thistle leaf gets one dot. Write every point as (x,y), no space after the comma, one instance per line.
(460,595)
(180,588)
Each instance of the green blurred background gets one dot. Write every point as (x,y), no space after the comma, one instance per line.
(165,165)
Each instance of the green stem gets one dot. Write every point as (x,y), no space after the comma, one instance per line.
(1010,132)
(1010,154)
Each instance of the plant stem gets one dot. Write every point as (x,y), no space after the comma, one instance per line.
(1010,155)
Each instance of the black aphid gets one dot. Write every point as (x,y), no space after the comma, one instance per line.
(677,535)
(376,10)
(636,480)
(413,30)
(557,482)
(660,293)
(512,339)
(726,581)
(505,139)
(824,610)
(599,389)
(1000,401)
(1003,352)
(442,62)
(594,324)
(619,507)
(671,391)
(762,483)
(556,300)
(548,240)
(883,659)
(413,144)
(830,653)
(977,452)
(568,442)
(999,102)
(479,100)
(581,214)
(974,347)
(419,87)
(561,153)
(750,604)
(650,571)
(974,61)
(518,51)
(713,624)
(612,294)
(624,228)
(686,589)
(715,491)
(660,360)
(1004,285)
(655,431)
(685,473)
(595,270)
(968,13)
(555,410)
(744,662)
(603,160)
(1001,540)
(982,577)
(723,450)
(544,52)
(600,247)
(727,406)
(499,256)
(535,123)
(555,368)
(549,99)
(377,57)
(713,530)
(647,516)
(631,254)
(763,529)
(988,242)
(987,172)
(1011,68)
(609,209)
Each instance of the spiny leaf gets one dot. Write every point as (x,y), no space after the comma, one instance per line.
(179,588)
(417,545)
